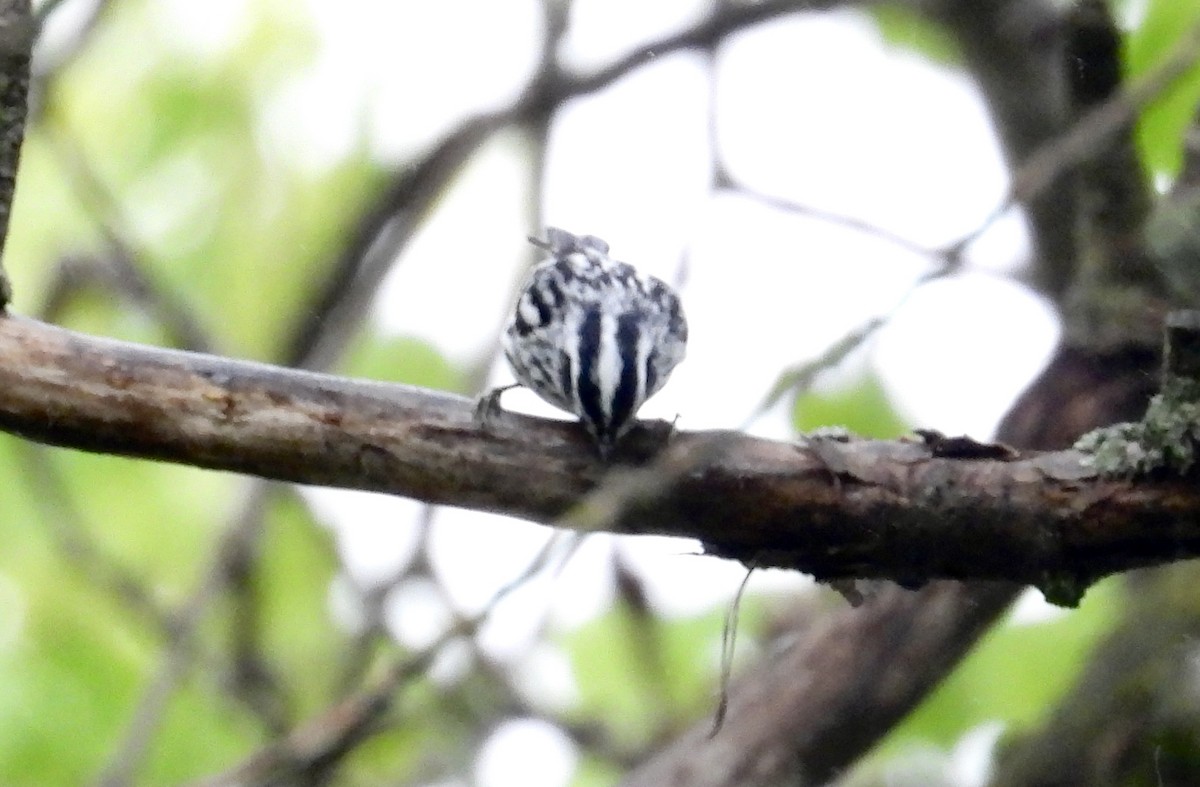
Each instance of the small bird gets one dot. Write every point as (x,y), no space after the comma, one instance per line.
(593,336)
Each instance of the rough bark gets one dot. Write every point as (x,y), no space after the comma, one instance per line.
(16,44)
(1131,716)
(909,510)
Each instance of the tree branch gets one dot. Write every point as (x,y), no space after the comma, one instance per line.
(1078,391)
(909,511)
(16,43)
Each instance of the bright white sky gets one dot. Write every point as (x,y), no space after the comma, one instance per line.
(815,109)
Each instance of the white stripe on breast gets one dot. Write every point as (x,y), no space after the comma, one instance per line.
(609,363)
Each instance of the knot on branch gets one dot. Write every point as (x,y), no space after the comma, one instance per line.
(1167,439)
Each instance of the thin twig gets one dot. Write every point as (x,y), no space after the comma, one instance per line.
(784,204)
(728,638)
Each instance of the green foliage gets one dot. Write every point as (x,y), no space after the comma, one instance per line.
(203,732)
(1162,124)
(1014,674)
(637,674)
(862,407)
(296,564)
(153,517)
(398,751)
(70,674)
(401,360)
(593,772)
(235,230)
(902,28)
(71,659)
(165,151)
(207,730)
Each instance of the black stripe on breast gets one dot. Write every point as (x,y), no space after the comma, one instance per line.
(589,388)
(625,397)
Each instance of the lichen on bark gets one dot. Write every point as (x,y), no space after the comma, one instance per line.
(1167,438)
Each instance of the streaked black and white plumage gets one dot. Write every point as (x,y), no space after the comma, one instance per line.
(593,336)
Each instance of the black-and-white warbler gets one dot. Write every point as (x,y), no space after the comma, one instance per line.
(593,336)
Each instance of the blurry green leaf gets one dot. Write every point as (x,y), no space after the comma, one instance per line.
(862,407)
(396,753)
(81,657)
(904,29)
(52,223)
(297,563)
(162,518)
(70,678)
(401,359)
(1162,124)
(224,221)
(206,730)
(636,673)
(593,772)
(1014,675)
(428,732)
(203,732)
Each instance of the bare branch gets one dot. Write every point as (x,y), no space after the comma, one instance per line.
(834,509)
